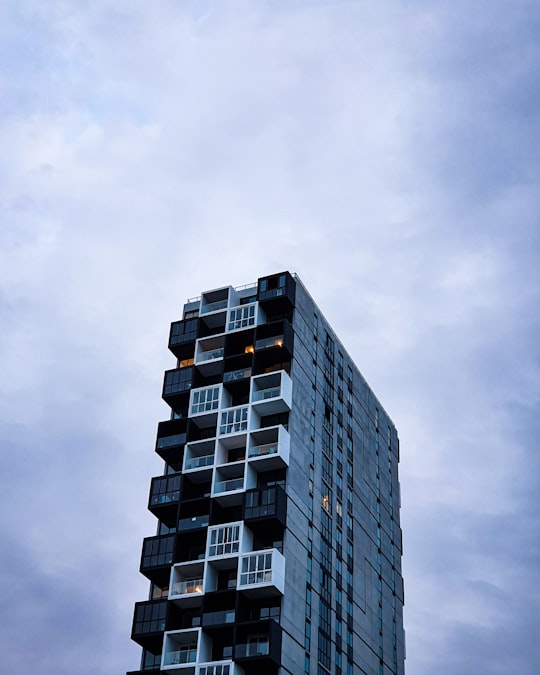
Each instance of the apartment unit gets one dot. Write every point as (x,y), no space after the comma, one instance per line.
(278,543)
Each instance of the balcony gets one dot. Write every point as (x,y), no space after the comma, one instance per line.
(269,448)
(182,337)
(171,436)
(262,573)
(157,558)
(149,620)
(186,584)
(277,293)
(233,420)
(243,317)
(164,498)
(199,459)
(214,306)
(184,648)
(175,383)
(204,404)
(209,355)
(227,540)
(266,505)
(230,481)
(260,641)
(273,346)
(272,393)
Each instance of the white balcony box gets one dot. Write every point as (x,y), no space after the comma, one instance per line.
(229,539)
(199,459)
(269,448)
(231,481)
(244,316)
(262,573)
(204,403)
(183,649)
(231,449)
(186,584)
(216,301)
(233,420)
(271,393)
(209,354)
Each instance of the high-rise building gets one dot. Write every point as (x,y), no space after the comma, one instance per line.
(278,545)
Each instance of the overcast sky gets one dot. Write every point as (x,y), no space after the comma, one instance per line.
(386,151)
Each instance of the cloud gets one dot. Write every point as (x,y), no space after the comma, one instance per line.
(386,154)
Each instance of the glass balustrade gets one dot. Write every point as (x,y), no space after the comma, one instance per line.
(198,462)
(187,655)
(264,394)
(210,354)
(228,485)
(188,586)
(214,306)
(265,449)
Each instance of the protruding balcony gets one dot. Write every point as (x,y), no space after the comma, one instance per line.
(186,585)
(272,393)
(164,498)
(177,383)
(266,505)
(182,337)
(182,649)
(217,300)
(226,540)
(277,293)
(171,436)
(260,641)
(262,573)
(149,620)
(269,448)
(199,459)
(157,558)
(209,354)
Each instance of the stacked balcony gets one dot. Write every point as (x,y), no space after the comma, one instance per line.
(164,498)
(187,583)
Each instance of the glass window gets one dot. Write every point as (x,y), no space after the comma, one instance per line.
(224,540)
(256,569)
(233,420)
(205,400)
(241,317)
